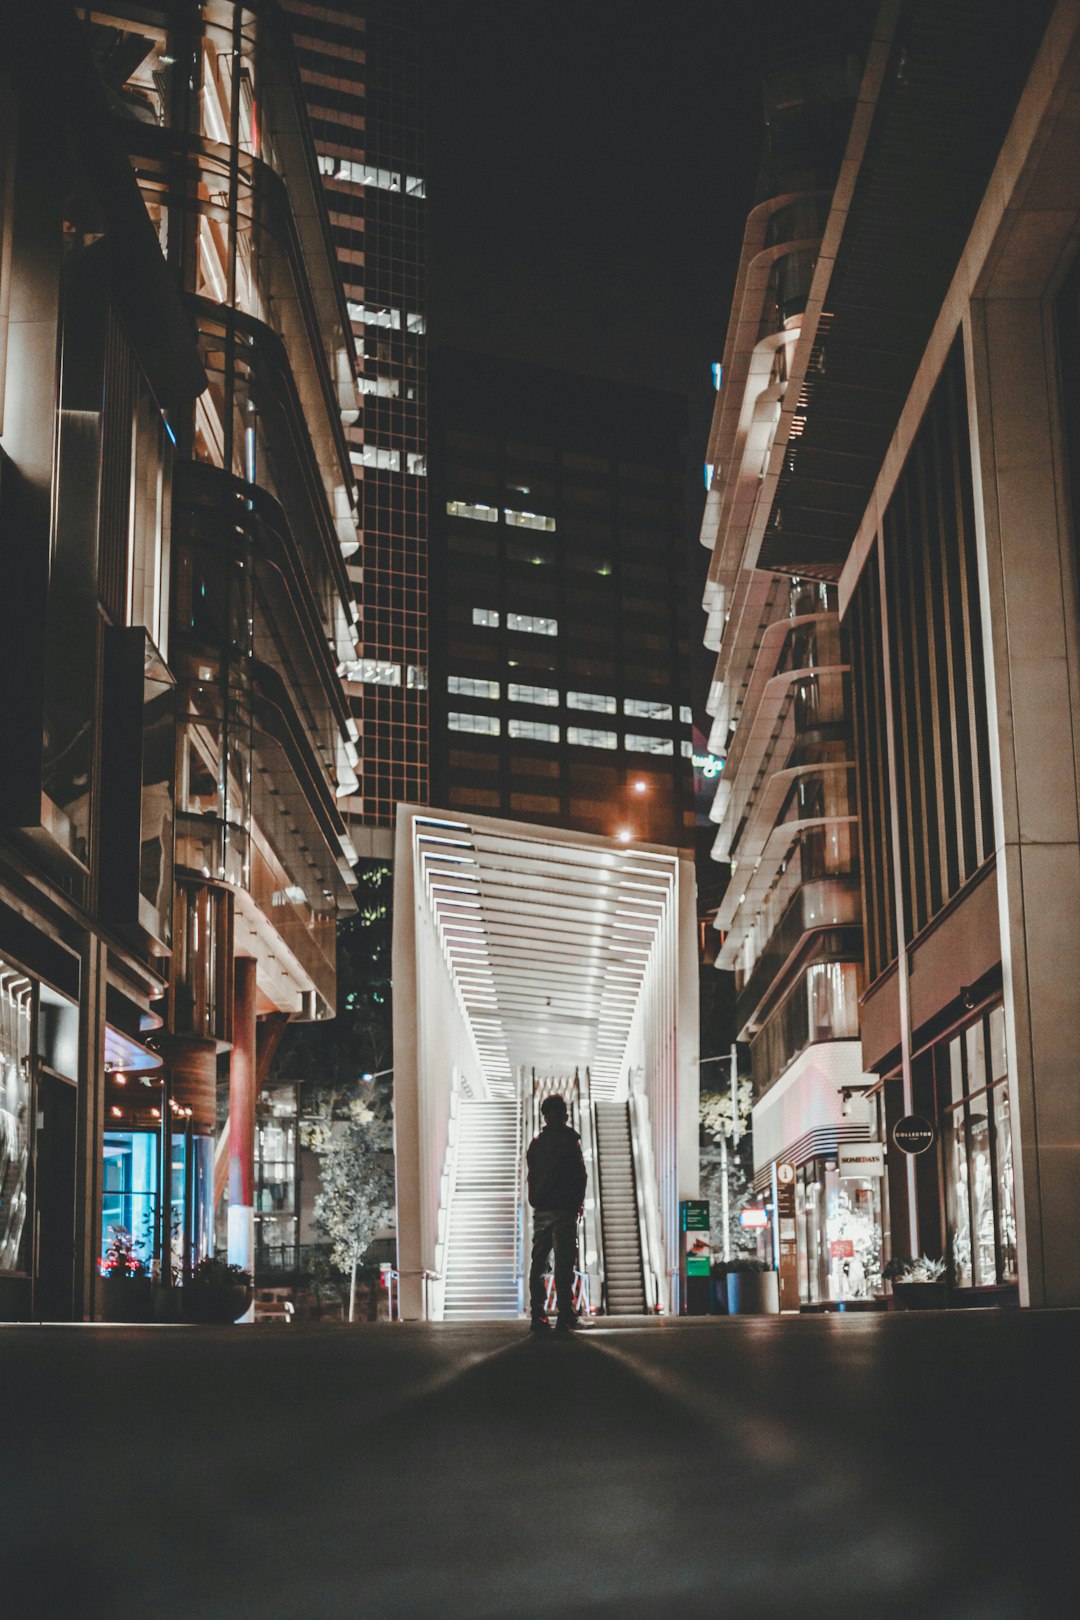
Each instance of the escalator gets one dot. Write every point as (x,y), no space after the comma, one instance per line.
(620,1215)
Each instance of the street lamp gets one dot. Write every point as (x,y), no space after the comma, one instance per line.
(370,1077)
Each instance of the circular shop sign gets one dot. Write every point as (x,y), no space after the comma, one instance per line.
(913,1134)
(785,1173)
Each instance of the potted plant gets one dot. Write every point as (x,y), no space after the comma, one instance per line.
(753,1288)
(216,1292)
(125,1287)
(920,1284)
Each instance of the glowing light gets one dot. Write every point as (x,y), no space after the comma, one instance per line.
(641,787)
(624,835)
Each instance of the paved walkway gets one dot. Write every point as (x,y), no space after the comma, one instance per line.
(922,1466)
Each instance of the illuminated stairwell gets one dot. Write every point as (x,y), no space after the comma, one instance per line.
(482,1247)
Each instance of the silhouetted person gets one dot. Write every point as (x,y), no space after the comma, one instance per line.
(557,1179)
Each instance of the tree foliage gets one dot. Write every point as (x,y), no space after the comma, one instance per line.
(356,1173)
(716,1120)
(348,1122)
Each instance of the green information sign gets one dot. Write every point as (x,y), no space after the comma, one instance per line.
(695,1214)
(697,1265)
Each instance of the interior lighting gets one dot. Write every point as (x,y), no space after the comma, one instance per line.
(641,787)
(624,835)
(116,1112)
(120,1079)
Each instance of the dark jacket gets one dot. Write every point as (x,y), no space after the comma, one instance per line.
(557,1175)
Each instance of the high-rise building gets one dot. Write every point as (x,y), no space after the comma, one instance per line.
(917,468)
(784,803)
(361,71)
(560,669)
(175,475)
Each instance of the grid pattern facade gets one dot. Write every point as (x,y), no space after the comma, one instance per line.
(560,670)
(362,76)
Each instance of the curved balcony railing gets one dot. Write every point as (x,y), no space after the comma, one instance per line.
(303,602)
(187,175)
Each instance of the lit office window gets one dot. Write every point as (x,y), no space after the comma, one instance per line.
(417,677)
(586,737)
(475,510)
(363,174)
(528,520)
(375,315)
(376,455)
(547,695)
(416,463)
(533,730)
(594,702)
(372,672)
(384,387)
(488,725)
(638,744)
(646,709)
(686,748)
(487,617)
(529,622)
(686,715)
(470,686)
(415,323)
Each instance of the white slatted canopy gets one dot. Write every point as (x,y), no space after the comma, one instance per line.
(547,941)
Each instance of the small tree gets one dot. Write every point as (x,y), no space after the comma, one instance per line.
(357,1177)
(721,1156)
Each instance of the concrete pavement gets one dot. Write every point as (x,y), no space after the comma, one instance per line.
(921,1465)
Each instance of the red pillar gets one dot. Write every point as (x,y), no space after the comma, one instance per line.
(242,1086)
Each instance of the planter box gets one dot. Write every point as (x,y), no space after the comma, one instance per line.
(208,1303)
(921,1296)
(753,1293)
(126,1299)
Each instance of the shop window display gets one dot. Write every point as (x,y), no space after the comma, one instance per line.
(973,1099)
(16,1005)
(839,1224)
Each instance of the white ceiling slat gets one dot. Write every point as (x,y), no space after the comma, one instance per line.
(548,942)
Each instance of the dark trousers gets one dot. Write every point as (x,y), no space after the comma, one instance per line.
(553,1228)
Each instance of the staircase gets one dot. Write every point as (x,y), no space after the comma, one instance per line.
(482,1240)
(624,1279)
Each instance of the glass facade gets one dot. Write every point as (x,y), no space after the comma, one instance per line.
(587,616)
(977,1147)
(131,1196)
(839,1220)
(277,1182)
(16,1009)
(361,70)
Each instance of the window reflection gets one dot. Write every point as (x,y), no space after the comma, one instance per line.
(16,995)
(977,1137)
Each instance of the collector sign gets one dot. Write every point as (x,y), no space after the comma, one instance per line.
(913,1134)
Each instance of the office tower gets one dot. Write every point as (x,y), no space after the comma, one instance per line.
(909,468)
(361,70)
(559,648)
(175,768)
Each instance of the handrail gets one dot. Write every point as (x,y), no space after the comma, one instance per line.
(643,1184)
(593,1223)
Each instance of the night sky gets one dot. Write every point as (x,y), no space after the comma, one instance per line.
(591,164)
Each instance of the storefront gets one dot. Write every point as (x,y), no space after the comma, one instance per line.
(976,1137)
(840,1208)
(824,1117)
